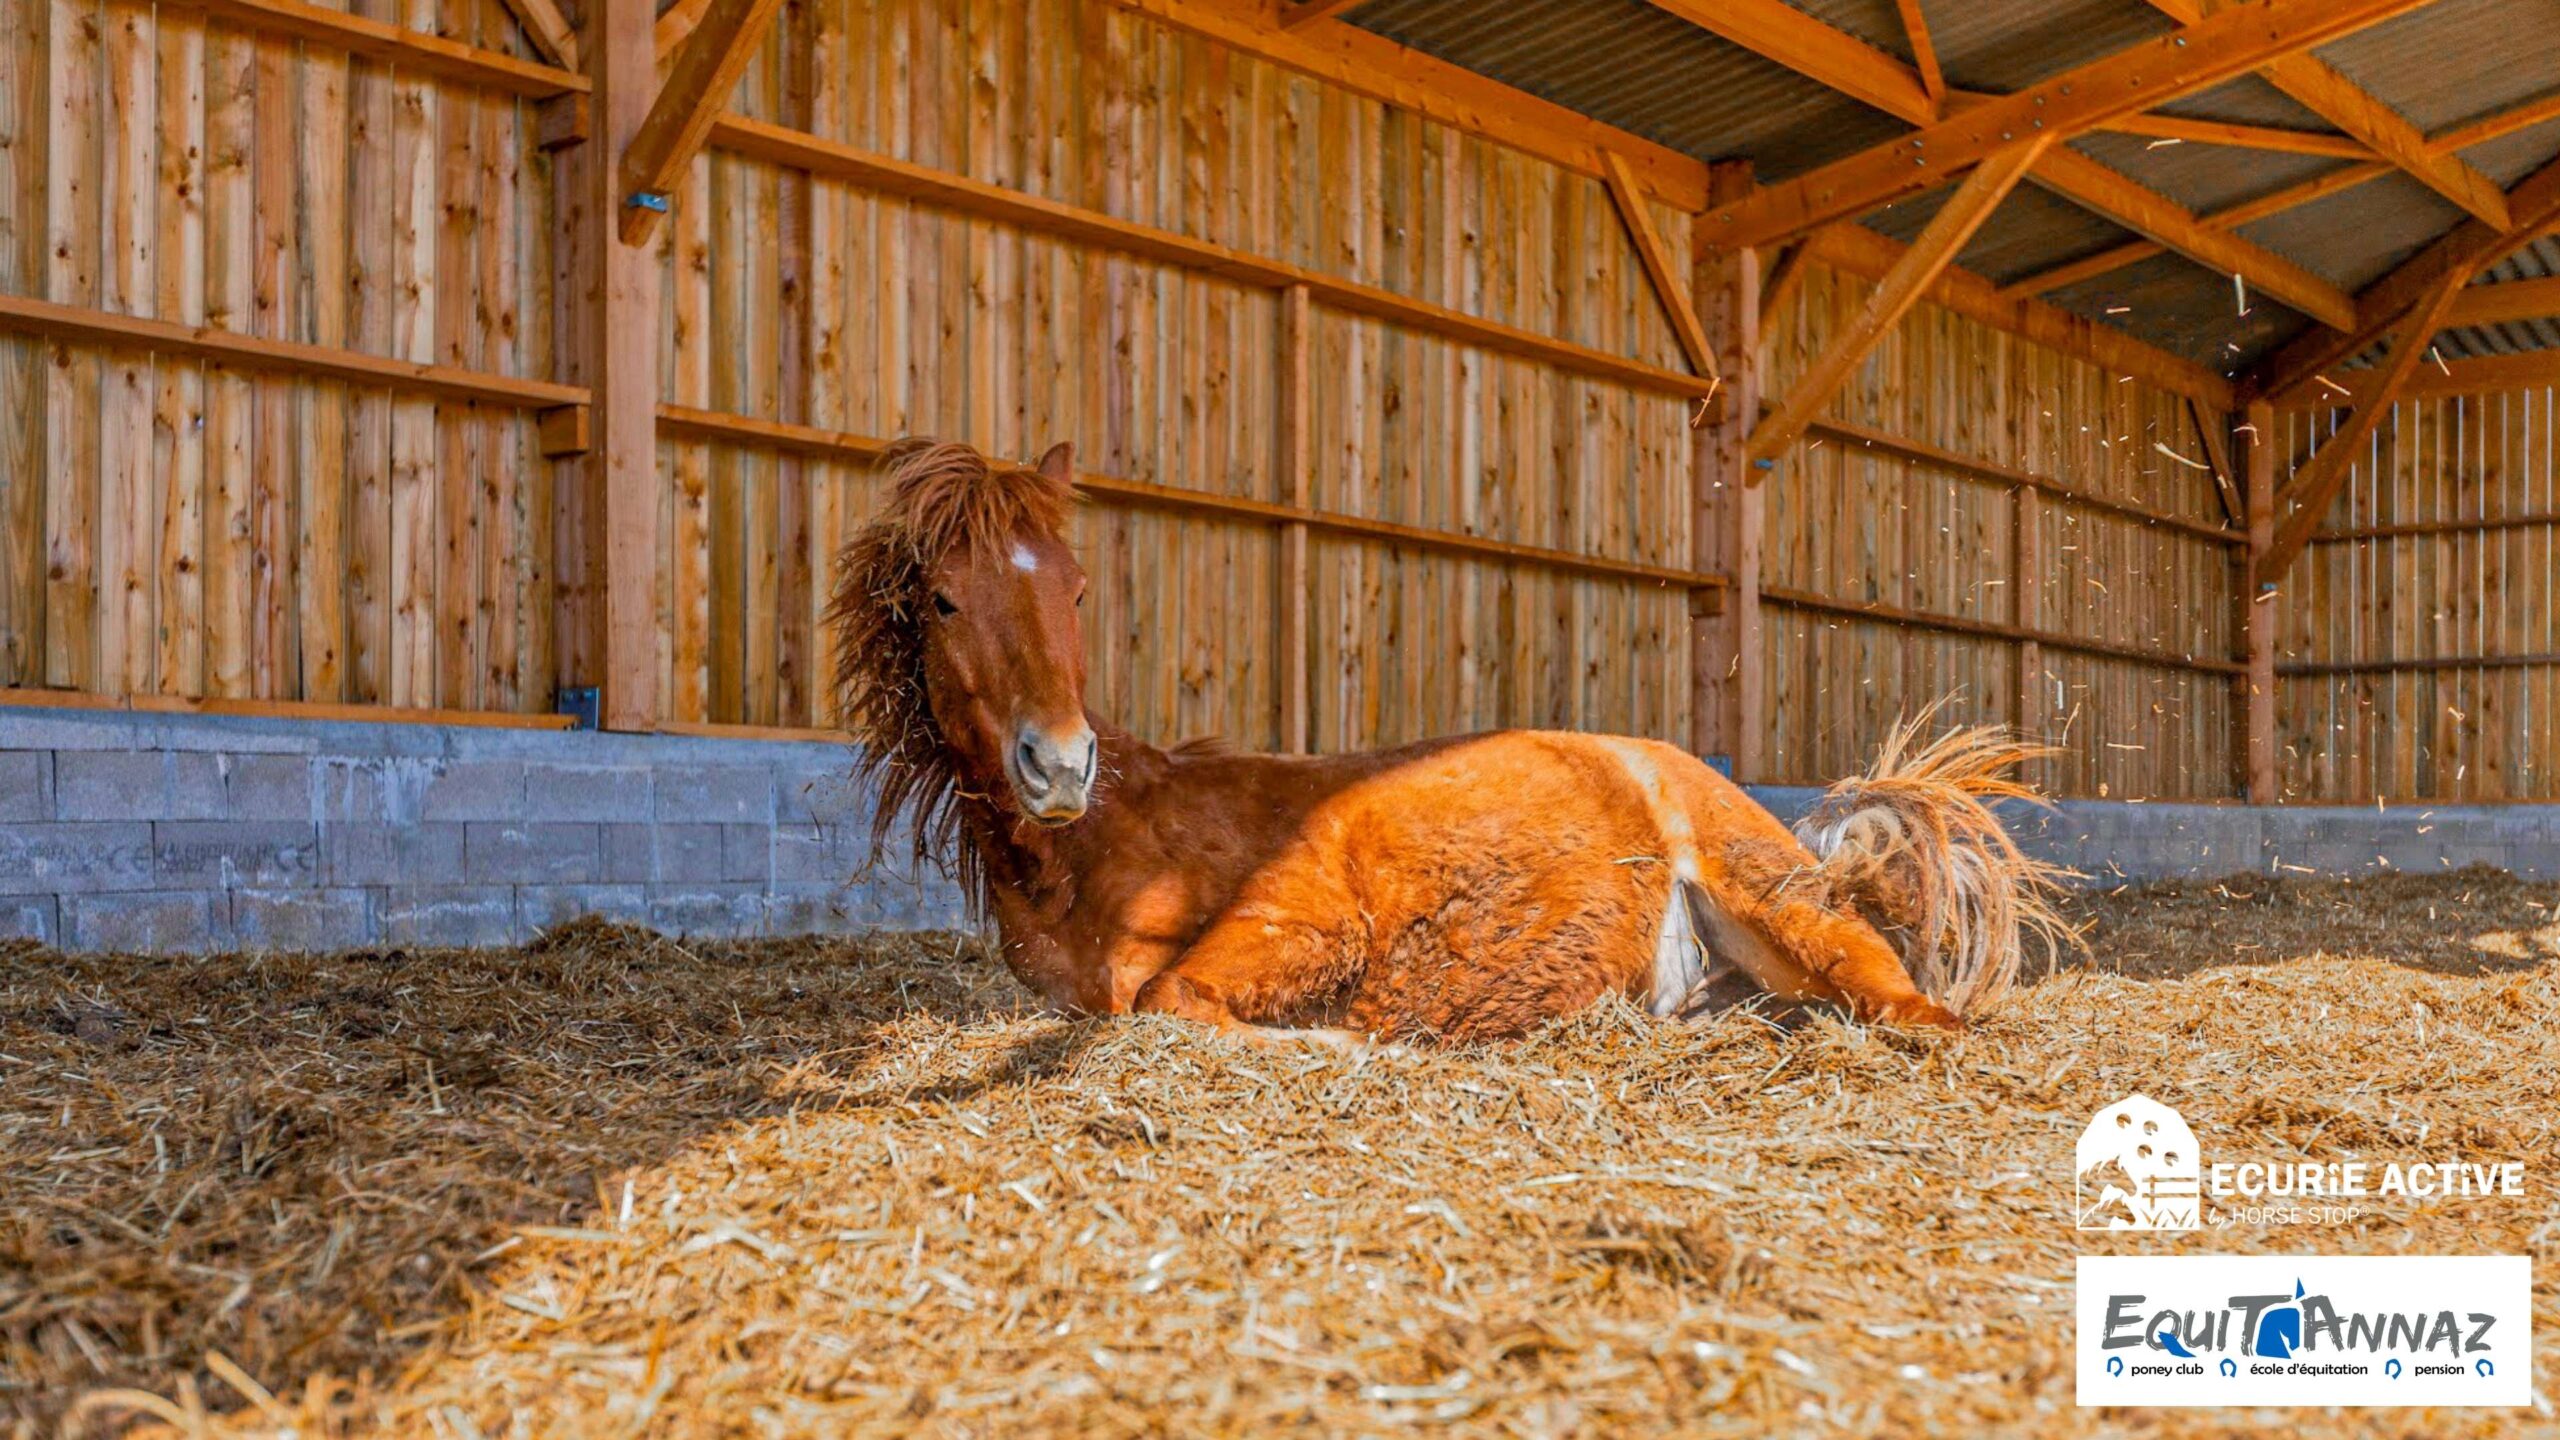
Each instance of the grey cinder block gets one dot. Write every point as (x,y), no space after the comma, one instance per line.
(538,907)
(520,854)
(111,785)
(266,787)
(376,853)
(663,854)
(75,857)
(475,790)
(453,915)
(588,793)
(150,921)
(722,911)
(29,917)
(301,920)
(26,786)
(746,853)
(224,854)
(732,794)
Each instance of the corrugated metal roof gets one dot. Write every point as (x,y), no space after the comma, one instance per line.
(2183,308)
(2031,231)
(1644,70)
(2451,60)
(1635,66)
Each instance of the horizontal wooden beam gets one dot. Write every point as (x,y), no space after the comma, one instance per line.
(2184,62)
(248,352)
(1994,630)
(2424,662)
(393,45)
(2242,137)
(2155,216)
(2507,302)
(1777,31)
(780,146)
(280,709)
(2441,380)
(1379,68)
(1857,250)
(682,423)
(2414,529)
(1868,438)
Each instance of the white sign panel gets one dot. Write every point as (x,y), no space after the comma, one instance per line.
(2305,1330)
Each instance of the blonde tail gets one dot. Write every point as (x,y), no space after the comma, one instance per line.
(1914,846)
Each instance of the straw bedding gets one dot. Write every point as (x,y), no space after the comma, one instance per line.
(611,1184)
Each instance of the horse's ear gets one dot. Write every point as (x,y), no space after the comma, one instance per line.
(1060,463)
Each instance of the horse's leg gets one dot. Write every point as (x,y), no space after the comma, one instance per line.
(1259,960)
(1801,950)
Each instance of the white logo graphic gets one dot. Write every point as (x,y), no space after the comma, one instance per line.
(2138,1169)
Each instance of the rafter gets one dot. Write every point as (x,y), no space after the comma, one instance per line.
(551,32)
(1901,288)
(1778,31)
(2193,58)
(1658,264)
(2333,97)
(699,82)
(1924,51)
(2313,486)
(2460,253)
(675,23)
(2506,303)
(2503,123)
(2133,252)
(2244,137)
(2149,213)
(1298,12)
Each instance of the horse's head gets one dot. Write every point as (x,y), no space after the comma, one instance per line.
(960,658)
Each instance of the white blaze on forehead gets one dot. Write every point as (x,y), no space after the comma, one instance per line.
(1023,559)
(1679,953)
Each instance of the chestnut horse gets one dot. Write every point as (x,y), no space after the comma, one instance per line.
(1465,888)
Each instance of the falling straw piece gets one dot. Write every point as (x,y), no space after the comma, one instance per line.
(2163,447)
(2240,291)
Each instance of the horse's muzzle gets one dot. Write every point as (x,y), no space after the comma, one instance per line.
(1053,772)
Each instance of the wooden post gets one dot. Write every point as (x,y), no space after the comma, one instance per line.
(2258,599)
(2026,607)
(623,301)
(1294,491)
(1726,511)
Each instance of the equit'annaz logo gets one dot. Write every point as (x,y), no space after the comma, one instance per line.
(2138,1169)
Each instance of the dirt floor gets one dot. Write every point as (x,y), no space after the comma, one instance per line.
(613,1185)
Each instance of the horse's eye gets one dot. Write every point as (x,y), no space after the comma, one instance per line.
(942,605)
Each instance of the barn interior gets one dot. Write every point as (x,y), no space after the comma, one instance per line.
(441,991)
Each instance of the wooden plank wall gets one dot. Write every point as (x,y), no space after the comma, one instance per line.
(1852,523)
(178,527)
(2454,592)
(822,303)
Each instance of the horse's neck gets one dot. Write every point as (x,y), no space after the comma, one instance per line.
(1041,869)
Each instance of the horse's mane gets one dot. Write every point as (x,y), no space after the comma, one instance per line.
(941,496)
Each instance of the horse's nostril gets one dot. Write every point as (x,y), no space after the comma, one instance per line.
(1027,755)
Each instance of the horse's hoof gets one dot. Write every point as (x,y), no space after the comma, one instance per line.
(1921,1013)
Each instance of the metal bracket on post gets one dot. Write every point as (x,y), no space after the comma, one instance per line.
(583,704)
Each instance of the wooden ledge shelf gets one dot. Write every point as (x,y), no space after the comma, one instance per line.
(279,709)
(795,149)
(2335,668)
(394,45)
(1927,454)
(681,423)
(83,326)
(1995,630)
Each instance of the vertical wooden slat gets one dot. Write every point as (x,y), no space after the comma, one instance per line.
(1291,462)
(178,431)
(416,299)
(2260,597)
(25,71)
(321,466)
(74,374)
(275,617)
(128,523)
(1727,695)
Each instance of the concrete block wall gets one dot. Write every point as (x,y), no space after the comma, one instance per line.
(2117,841)
(189,832)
